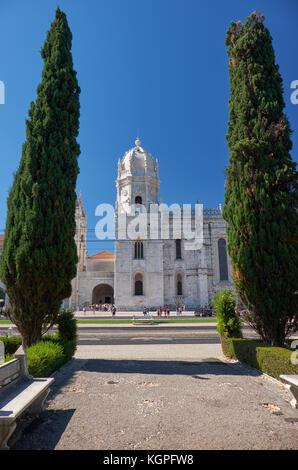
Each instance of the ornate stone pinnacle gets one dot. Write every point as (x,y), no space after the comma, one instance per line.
(138,142)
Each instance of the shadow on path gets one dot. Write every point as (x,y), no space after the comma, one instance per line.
(42,425)
(208,366)
(46,431)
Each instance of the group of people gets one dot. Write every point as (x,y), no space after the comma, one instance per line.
(180,309)
(98,308)
(166,310)
(101,308)
(146,311)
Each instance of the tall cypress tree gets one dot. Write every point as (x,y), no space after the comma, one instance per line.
(261,194)
(39,254)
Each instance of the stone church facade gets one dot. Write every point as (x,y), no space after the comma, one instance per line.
(155,266)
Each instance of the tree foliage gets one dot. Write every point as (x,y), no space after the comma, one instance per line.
(261,192)
(228,323)
(39,253)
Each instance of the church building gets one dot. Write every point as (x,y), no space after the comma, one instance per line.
(156,268)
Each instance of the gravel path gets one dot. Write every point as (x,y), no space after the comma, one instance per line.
(165,402)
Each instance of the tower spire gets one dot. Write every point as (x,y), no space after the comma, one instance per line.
(138,142)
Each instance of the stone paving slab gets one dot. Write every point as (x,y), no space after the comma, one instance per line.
(162,397)
(189,352)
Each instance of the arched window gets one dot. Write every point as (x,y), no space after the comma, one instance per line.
(138,200)
(179,284)
(139,250)
(178,248)
(222,260)
(138,284)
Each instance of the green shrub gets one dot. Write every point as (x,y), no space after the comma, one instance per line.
(11,344)
(67,326)
(50,337)
(69,348)
(51,352)
(271,360)
(275,361)
(44,358)
(228,323)
(49,355)
(9,358)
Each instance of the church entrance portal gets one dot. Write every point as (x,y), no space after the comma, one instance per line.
(103,294)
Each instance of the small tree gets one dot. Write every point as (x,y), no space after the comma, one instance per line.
(228,323)
(261,197)
(39,254)
(67,326)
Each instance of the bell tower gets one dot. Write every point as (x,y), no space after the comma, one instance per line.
(137,181)
(138,260)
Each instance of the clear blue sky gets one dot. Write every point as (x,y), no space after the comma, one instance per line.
(153,68)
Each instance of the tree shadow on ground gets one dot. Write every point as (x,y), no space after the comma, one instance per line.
(209,366)
(44,432)
(196,369)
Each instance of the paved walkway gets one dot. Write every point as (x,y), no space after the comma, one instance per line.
(162,397)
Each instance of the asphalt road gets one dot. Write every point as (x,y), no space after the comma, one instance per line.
(145,334)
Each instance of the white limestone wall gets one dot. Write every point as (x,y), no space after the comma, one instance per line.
(187,267)
(199,270)
(151,268)
(90,279)
(214,229)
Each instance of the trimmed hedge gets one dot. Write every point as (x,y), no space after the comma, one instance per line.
(268,359)
(44,358)
(49,355)
(69,347)
(52,351)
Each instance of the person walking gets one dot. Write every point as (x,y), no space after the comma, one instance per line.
(113,310)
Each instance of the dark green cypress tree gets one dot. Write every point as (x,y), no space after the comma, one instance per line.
(39,254)
(261,193)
